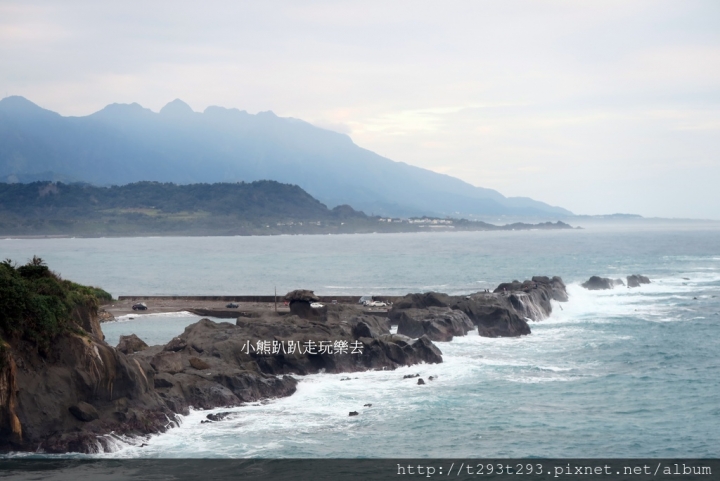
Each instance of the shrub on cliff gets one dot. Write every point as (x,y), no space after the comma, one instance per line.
(37,305)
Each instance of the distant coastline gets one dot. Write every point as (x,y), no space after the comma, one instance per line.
(476,226)
(54,209)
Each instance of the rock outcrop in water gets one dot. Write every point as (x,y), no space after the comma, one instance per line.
(437,323)
(596,283)
(501,313)
(253,358)
(636,279)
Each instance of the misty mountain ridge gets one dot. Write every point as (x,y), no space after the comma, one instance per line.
(126,143)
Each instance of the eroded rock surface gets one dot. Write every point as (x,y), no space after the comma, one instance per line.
(596,283)
(636,279)
(437,323)
(69,400)
(501,313)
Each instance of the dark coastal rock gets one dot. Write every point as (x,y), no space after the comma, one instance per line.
(176,344)
(410,376)
(301,295)
(130,344)
(214,365)
(353,413)
(170,362)
(84,412)
(67,400)
(238,372)
(423,301)
(495,317)
(437,323)
(199,364)
(218,416)
(421,382)
(555,285)
(636,279)
(596,283)
(502,313)
(162,380)
(300,301)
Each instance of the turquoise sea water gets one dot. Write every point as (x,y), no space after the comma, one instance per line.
(621,373)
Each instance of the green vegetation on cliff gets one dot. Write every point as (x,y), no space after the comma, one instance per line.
(153,208)
(36,305)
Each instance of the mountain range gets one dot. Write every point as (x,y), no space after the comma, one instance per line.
(125,143)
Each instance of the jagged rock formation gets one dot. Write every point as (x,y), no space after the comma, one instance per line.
(596,283)
(437,323)
(223,364)
(502,313)
(83,389)
(300,301)
(636,279)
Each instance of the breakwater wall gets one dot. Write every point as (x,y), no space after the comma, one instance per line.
(280,298)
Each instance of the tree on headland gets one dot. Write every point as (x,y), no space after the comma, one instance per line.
(37,305)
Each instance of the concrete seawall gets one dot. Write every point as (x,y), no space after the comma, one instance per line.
(265,299)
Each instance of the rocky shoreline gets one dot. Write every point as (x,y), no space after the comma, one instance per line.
(84,390)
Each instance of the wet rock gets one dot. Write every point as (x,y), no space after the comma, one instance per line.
(353,413)
(368,405)
(636,280)
(84,412)
(596,283)
(130,344)
(218,416)
(502,313)
(410,376)
(421,382)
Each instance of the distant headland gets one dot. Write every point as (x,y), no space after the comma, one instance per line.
(154,208)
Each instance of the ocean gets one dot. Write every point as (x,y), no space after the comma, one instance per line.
(619,373)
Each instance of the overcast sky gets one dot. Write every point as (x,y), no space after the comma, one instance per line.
(598,107)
